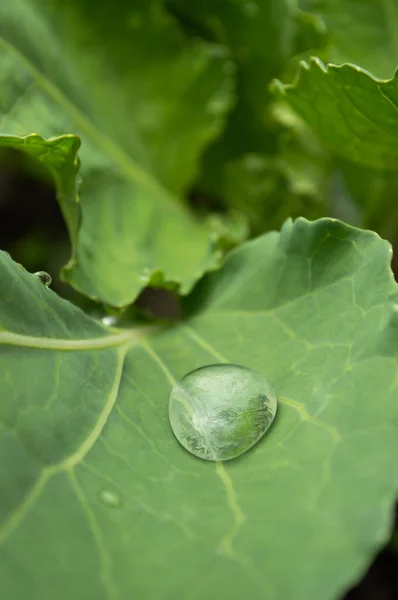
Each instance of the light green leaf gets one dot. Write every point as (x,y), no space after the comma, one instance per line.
(364,33)
(97,494)
(355,115)
(141,96)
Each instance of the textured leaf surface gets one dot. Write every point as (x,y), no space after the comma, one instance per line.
(97,494)
(364,33)
(141,97)
(355,115)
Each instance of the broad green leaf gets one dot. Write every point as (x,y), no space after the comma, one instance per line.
(355,115)
(364,33)
(141,96)
(97,494)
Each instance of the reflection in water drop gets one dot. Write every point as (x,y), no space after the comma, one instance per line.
(44,277)
(219,411)
(110,499)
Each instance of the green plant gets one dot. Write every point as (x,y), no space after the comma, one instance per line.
(133,109)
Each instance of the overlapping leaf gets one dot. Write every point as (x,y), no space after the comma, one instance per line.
(97,495)
(363,33)
(145,101)
(355,115)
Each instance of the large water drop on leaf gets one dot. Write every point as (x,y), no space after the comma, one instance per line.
(219,411)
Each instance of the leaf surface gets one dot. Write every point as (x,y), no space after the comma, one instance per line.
(354,114)
(364,33)
(97,494)
(141,96)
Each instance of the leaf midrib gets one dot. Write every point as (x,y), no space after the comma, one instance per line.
(131,169)
(129,337)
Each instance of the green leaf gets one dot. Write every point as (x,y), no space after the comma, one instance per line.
(97,494)
(260,37)
(364,33)
(310,34)
(293,182)
(59,157)
(258,34)
(142,98)
(375,193)
(269,190)
(354,114)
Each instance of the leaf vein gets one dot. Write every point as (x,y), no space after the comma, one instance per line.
(106,573)
(233,505)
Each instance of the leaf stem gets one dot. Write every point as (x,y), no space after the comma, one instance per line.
(128,336)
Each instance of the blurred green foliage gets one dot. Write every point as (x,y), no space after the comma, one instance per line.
(187,92)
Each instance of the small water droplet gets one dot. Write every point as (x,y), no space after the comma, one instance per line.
(146,274)
(109,320)
(44,277)
(219,411)
(110,499)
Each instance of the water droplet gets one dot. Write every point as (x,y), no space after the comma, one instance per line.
(44,277)
(110,499)
(146,274)
(109,320)
(219,411)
